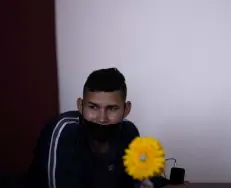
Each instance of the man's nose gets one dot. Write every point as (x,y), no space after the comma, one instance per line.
(103,118)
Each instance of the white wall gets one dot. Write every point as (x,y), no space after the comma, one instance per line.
(177,60)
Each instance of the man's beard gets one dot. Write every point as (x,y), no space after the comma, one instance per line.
(101,133)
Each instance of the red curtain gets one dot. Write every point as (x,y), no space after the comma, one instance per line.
(28,79)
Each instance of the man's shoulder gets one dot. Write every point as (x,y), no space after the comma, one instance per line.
(69,115)
(66,119)
(129,130)
(65,122)
(129,125)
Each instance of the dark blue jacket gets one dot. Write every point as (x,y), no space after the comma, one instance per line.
(62,158)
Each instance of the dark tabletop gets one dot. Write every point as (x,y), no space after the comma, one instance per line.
(209,185)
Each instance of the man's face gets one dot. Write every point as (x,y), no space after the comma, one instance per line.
(104,107)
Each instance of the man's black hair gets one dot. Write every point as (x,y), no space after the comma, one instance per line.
(106,80)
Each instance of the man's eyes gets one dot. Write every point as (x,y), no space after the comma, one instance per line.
(113,108)
(110,108)
(93,107)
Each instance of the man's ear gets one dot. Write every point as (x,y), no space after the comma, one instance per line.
(80,105)
(128,106)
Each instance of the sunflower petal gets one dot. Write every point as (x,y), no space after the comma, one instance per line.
(152,154)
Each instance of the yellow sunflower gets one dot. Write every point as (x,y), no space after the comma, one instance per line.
(144,158)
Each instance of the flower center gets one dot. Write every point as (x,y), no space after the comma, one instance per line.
(143,158)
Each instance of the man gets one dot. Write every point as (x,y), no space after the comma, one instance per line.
(84,148)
